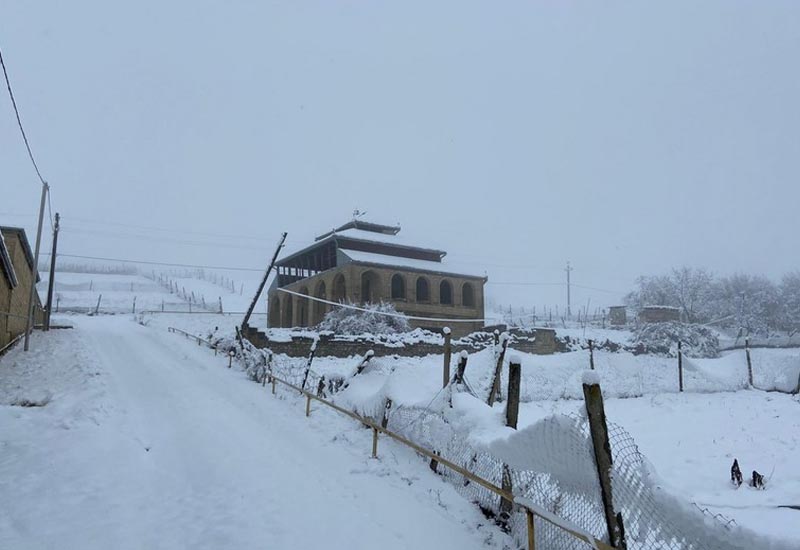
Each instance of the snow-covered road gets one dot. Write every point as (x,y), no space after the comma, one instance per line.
(150,442)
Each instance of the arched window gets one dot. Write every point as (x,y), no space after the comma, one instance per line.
(467,295)
(275,312)
(339,291)
(445,292)
(370,287)
(423,290)
(287,321)
(398,287)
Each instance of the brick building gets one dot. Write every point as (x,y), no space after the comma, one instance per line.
(362,262)
(16,271)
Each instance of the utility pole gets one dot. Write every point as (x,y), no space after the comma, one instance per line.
(35,270)
(569,301)
(261,286)
(51,282)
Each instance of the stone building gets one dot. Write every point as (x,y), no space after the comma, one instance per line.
(659,314)
(16,271)
(618,315)
(362,262)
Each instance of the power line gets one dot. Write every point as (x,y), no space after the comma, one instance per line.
(19,120)
(146,262)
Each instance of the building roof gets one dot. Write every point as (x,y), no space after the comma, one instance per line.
(406,264)
(26,247)
(367,237)
(363,225)
(5,263)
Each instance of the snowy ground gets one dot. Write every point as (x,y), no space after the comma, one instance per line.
(80,292)
(690,438)
(147,441)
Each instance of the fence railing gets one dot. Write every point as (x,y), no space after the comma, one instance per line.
(530,509)
(200,340)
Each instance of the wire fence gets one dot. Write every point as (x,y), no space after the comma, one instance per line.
(559,475)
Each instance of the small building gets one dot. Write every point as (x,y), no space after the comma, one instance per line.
(16,272)
(362,262)
(659,314)
(618,316)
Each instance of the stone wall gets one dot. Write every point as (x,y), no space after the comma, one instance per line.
(539,342)
(659,314)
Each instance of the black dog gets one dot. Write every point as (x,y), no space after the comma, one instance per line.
(736,473)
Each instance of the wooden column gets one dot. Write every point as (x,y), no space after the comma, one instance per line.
(749,362)
(447,357)
(494,392)
(602,454)
(514,378)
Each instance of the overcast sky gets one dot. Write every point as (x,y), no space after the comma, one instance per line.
(626,137)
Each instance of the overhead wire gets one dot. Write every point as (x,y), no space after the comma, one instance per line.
(19,120)
(148,262)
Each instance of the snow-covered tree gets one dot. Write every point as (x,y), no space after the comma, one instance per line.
(790,301)
(751,301)
(689,289)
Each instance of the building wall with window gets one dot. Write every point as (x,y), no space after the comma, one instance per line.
(415,293)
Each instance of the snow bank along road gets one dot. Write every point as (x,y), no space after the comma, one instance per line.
(147,441)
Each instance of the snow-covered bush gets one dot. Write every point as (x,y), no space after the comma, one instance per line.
(373,321)
(663,338)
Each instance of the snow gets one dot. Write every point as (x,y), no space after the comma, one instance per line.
(552,518)
(148,441)
(590,378)
(689,438)
(411,263)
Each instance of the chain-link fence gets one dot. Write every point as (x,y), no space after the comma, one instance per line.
(557,472)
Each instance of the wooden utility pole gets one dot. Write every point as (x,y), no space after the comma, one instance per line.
(569,299)
(35,269)
(261,285)
(494,391)
(514,379)
(51,282)
(680,367)
(749,362)
(602,454)
(447,357)
(512,416)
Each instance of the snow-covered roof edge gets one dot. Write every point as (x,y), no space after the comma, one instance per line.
(26,247)
(5,263)
(406,264)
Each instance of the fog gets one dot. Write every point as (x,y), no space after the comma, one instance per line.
(624,137)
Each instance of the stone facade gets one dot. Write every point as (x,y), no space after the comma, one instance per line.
(347,284)
(14,301)
(659,314)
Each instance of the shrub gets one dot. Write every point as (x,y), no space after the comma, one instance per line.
(663,338)
(342,320)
